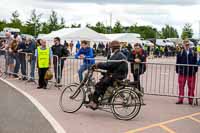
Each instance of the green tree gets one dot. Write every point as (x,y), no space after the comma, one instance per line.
(45,28)
(99,27)
(187,31)
(169,32)
(118,28)
(15,21)
(53,21)
(33,24)
(62,23)
(3,24)
(145,31)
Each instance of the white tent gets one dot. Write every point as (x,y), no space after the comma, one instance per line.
(164,42)
(125,37)
(147,43)
(76,34)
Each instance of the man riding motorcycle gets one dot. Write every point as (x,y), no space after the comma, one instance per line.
(115,71)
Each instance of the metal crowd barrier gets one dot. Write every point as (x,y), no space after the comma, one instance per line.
(159,79)
(18,59)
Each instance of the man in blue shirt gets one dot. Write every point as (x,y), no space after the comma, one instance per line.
(85,53)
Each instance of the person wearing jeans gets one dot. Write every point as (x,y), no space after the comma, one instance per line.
(85,53)
(32,63)
(186,72)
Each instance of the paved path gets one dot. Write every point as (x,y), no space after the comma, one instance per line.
(157,110)
(19,115)
(160,115)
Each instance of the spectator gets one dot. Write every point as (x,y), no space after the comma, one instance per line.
(198,51)
(95,46)
(60,51)
(107,49)
(129,47)
(38,43)
(137,67)
(9,54)
(2,46)
(78,45)
(22,58)
(71,45)
(166,51)
(84,53)
(186,73)
(14,48)
(43,55)
(30,49)
(66,45)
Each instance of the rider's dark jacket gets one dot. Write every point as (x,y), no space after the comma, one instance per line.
(118,70)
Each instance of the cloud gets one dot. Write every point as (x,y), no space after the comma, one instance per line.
(156,13)
(143,2)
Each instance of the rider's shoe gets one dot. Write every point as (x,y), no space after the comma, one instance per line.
(86,102)
(91,105)
(142,101)
(140,94)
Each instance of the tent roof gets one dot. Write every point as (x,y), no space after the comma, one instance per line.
(129,38)
(76,34)
(125,37)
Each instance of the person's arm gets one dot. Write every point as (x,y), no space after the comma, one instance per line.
(51,56)
(33,47)
(91,55)
(195,62)
(143,57)
(177,62)
(130,57)
(36,55)
(77,54)
(103,66)
(111,65)
(65,52)
(27,50)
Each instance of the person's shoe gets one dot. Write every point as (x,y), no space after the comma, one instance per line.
(24,79)
(16,76)
(58,85)
(190,103)
(45,87)
(179,102)
(31,80)
(39,87)
(86,102)
(91,105)
(142,101)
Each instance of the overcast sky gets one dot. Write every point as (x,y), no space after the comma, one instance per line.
(156,13)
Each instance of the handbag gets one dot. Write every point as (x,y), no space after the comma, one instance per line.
(48,75)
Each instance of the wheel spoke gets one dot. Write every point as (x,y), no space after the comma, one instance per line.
(126,104)
(71,99)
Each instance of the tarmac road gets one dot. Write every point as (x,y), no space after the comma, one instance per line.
(160,115)
(19,115)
